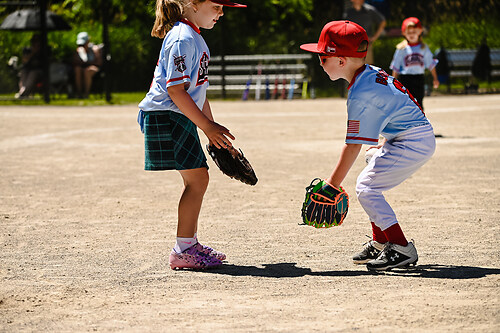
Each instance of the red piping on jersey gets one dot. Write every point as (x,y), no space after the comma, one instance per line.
(358,71)
(195,28)
(178,78)
(360,139)
(415,44)
(202,82)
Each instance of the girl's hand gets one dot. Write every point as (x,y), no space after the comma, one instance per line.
(218,135)
(435,83)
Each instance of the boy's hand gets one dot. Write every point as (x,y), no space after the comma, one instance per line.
(370,152)
(374,147)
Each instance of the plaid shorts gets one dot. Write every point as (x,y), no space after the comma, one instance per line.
(171,142)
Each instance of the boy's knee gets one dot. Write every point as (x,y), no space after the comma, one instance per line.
(362,196)
(366,198)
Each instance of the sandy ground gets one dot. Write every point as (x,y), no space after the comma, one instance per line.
(85,232)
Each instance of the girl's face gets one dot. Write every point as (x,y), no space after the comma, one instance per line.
(207,13)
(331,66)
(412,34)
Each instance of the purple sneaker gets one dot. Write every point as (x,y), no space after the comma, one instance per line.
(192,258)
(211,252)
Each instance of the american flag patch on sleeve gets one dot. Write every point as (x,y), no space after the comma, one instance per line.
(353,126)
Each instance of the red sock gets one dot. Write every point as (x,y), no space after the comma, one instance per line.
(395,235)
(378,234)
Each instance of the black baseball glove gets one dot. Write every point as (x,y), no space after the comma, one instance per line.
(324,206)
(233,163)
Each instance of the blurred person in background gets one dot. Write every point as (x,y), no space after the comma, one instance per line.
(32,68)
(87,61)
(370,19)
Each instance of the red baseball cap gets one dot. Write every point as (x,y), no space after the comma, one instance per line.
(228,3)
(340,39)
(411,20)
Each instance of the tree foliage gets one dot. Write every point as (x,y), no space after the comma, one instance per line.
(271,26)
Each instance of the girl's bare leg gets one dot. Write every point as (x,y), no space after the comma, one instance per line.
(195,185)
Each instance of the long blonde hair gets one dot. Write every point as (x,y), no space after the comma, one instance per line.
(167,13)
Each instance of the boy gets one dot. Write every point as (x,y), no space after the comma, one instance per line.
(377,104)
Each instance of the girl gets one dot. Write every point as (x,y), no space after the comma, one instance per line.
(411,58)
(172,110)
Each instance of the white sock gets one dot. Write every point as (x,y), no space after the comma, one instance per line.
(183,244)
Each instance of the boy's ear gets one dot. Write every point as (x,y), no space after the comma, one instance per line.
(342,61)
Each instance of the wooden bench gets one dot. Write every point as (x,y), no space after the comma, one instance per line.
(264,76)
(460,64)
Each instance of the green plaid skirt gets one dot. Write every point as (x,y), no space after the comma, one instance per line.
(171,142)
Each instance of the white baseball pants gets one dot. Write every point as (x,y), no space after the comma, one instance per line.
(396,161)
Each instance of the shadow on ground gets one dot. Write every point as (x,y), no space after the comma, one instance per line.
(290,270)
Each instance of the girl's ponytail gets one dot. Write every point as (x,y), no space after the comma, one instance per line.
(403,44)
(167,13)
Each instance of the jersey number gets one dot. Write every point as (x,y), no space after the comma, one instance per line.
(382,78)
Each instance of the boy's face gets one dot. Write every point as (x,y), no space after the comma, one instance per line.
(208,13)
(331,66)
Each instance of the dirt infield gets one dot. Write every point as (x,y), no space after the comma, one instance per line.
(85,232)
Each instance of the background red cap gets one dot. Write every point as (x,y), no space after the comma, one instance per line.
(340,39)
(228,3)
(410,20)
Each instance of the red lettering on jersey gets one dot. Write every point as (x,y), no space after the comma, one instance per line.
(382,77)
(203,71)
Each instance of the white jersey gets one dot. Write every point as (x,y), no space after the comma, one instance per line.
(183,59)
(379,104)
(413,59)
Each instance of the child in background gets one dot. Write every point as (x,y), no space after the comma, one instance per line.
(174,107)
(411,58)
(377,104)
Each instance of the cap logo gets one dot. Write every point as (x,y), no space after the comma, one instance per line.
(330,49)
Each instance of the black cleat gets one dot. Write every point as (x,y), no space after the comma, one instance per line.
(370,251)
(394,256)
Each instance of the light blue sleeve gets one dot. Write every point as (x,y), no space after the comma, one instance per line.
(364,122)
(397,61)
(429,61)
(178,62)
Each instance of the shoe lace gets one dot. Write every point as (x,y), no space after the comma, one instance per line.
(367,243)
(383,254)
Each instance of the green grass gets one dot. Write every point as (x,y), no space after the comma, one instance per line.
(133,98)
(94,100)
(458,87)
(117,98)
